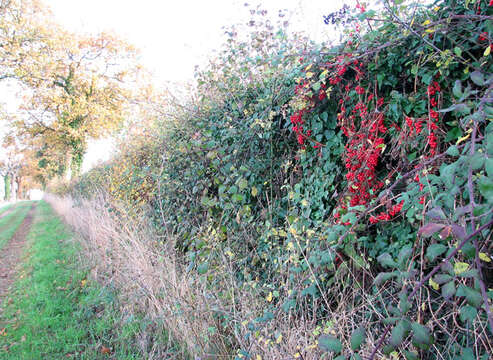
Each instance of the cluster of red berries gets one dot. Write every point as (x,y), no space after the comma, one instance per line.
(433,93)
(297,120)
(362,7)
(386,216)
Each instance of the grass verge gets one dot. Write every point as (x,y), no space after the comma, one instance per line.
(11,222)
(54,311)
(4,208)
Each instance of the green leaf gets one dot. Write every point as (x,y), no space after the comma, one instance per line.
(383,277)
(404,304)
(242,184)
(453,151)
(399,332)
(442,278)
(421,335)
(410,355)
(467,313)
(288,305)
(357,338)
(329,343)
(488,165)
(386,260)
(448,290)
(457,51)
(476,161)
(435,250)
(404,256)
(477,78)
(485,185)
(202,268)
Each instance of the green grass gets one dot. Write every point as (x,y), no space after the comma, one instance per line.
(54,312)
(5,208)
(11,222)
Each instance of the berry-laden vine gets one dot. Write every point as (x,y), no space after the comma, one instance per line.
(410,99)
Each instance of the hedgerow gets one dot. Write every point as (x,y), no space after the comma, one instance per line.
(363,167)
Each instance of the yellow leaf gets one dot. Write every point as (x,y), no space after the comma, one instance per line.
(460,267)
(259,357)
(426,22)
(462,139)
(292,230)
(290,246)
(297,355)
(433,284)
(254,191)
(484,257)
(282,233)
(269,297)
(487,51)
(279,339)
(309,75)
(83,283)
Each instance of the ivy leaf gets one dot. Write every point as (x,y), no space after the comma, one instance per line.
(329,344)
(435,250)
(357,338)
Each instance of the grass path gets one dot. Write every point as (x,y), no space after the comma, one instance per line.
(4,208)
(11,219)
(53,311)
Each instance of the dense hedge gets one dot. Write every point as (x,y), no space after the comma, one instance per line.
(375,153)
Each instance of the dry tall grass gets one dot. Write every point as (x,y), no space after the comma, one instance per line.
(151,279)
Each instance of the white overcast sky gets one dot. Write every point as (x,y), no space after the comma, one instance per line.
(174,36)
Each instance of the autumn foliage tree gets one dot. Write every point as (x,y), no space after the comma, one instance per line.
(77,86)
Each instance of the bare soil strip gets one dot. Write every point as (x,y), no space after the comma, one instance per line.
(11,254)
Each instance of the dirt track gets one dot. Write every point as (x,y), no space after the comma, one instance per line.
(10,255)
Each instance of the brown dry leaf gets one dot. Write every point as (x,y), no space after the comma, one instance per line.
(105,350)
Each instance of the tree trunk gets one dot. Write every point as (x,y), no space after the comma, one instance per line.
(7,187)
(13,184)
(19,187)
